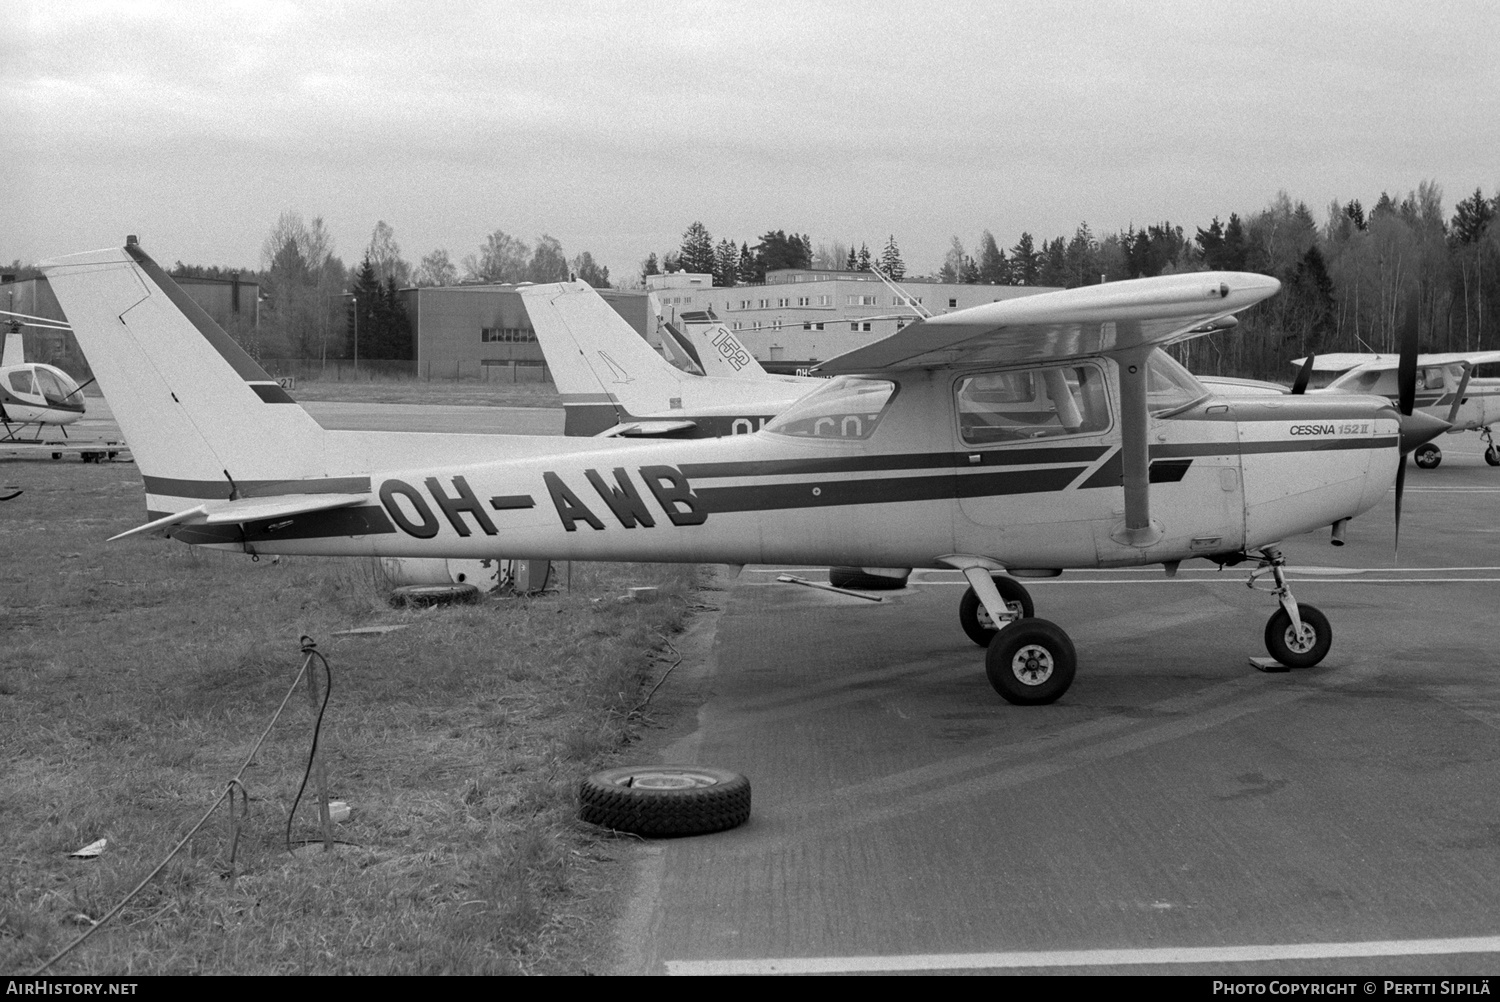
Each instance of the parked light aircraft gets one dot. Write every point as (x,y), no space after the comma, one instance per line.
(613,383)
(1445,388)
(32,394)
(1026,436)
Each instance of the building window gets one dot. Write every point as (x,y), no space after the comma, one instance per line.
(807,326)
(825,300)
(817,327)
(952,304)
(506,335)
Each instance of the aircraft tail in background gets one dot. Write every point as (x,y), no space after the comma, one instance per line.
(604,369)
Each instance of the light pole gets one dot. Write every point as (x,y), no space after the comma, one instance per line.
(355,297)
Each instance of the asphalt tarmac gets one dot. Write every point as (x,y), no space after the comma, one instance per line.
(1178,811)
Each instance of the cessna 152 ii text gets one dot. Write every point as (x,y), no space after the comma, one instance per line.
(1445,388)
(1029,436)
(32,394)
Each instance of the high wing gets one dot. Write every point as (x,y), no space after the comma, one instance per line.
(1050,326)
(1342,361)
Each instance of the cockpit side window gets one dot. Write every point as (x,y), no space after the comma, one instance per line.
(20,381)
(1026,404)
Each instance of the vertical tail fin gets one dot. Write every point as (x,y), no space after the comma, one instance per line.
(605,371)
(200,415)
(722,353)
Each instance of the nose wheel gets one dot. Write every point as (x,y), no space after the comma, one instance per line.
(1491,453)
(1428,456)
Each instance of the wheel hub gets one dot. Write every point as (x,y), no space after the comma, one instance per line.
(1301,644)
(667,779)
(1032,664)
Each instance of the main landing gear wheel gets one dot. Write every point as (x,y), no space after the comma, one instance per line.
(665,800)
(1299,650)
(1030,662)
(1492,456)
(975,619)
(1428,456)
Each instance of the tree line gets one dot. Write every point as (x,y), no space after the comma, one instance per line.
(314,306)
(1345,282)
(775,250)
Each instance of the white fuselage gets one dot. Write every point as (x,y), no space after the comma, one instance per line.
(1226,475)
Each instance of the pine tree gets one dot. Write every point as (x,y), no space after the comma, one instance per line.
(864,257)
(751,269)
(993,268)
(649,267)
(726,264)
(697,253)
(890,260)
(1025,262)
(853,263)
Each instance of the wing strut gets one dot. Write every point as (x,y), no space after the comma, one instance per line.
(1135,450)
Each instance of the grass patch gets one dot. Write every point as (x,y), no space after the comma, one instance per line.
(135,677)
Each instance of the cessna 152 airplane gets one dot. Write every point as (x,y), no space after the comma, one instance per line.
(1445,388)
(33,394)
(1027,436)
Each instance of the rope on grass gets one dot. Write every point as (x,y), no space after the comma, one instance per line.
(642,704)
(236,783)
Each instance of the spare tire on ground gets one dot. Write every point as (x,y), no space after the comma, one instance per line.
(853,577)
(662,800)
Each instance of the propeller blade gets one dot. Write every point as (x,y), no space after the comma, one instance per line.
(1406,372)
(1458,397)
(1400,487)
(1303,375)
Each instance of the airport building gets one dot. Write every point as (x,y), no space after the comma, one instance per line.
(482,331)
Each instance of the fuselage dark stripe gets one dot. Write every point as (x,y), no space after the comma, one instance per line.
(218,490)
(907,461)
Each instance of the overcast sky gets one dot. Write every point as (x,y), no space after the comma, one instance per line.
(614,126)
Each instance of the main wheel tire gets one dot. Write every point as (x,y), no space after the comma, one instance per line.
(1299,651)
(1492,456)
(665,800)
(1031,662)
(975,619)
(853,577)
(1428,456)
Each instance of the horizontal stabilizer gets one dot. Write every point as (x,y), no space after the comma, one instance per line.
(246,510)
(647,429)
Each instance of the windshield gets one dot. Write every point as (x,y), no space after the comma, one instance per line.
(1169,386)
(52,385)
(847,407)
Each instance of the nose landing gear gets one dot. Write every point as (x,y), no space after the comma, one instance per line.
(1297,635)
(1491,453)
